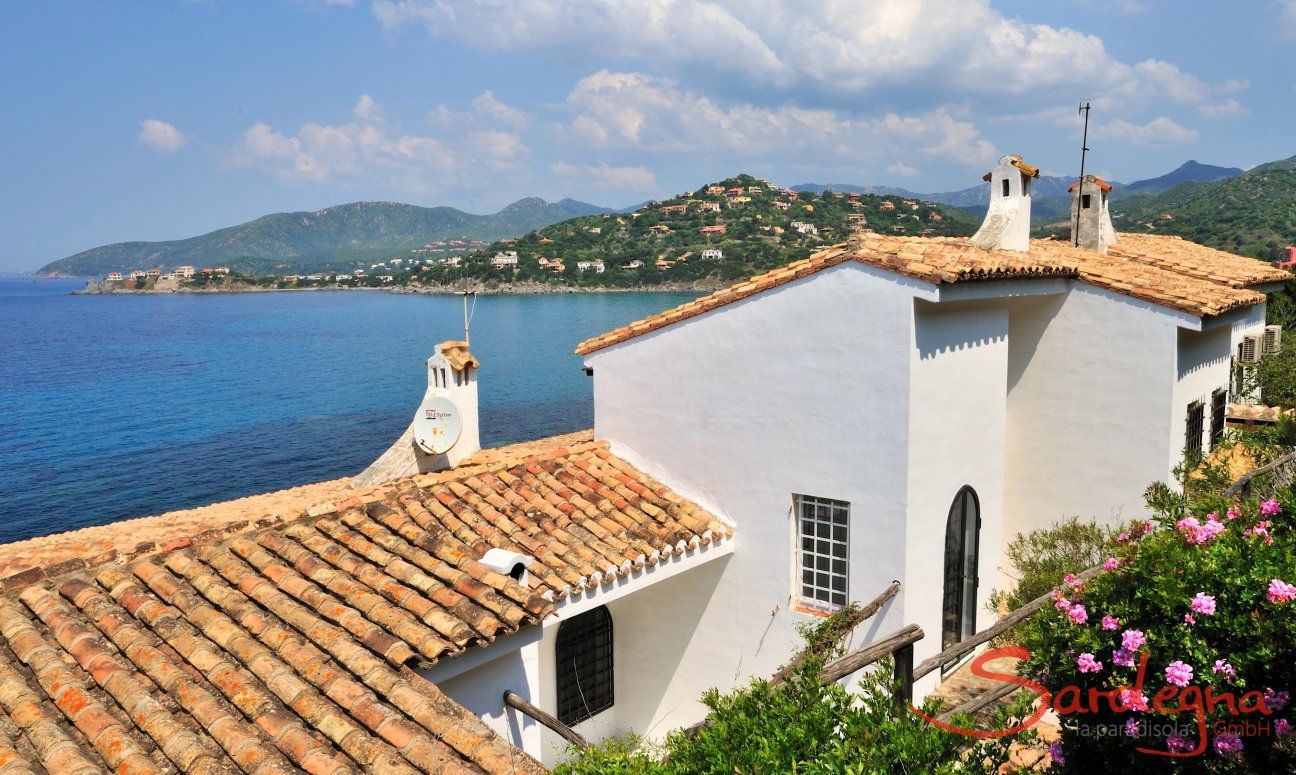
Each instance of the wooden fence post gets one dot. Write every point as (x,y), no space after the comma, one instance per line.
(903,675)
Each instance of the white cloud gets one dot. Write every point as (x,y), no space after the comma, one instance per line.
(1158,132)
(833,49)
(369,148)
(900,169)
(645,113)
(160,136)
(603,176)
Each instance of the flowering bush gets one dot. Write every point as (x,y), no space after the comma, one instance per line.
(1185,643)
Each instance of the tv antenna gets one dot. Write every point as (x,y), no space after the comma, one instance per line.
(468,314)
(1084,149)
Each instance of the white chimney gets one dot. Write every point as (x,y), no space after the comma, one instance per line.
(1095,226)
(444,430)
(1007,222)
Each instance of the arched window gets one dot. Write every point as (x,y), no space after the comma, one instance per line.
(584,666)
(962,536)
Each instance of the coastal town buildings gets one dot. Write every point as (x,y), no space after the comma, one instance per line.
(892,408)
(114,276)
(594,265)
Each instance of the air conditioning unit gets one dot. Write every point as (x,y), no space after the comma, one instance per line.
(1272,339)
(1251,348)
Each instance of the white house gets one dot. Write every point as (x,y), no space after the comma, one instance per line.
(112,276)
(712,254)
(894,408)
(595,265)
(803,227)
(505,258)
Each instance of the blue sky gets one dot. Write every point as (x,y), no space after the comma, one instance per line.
(163,120)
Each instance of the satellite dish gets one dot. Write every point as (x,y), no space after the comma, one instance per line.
(437,425)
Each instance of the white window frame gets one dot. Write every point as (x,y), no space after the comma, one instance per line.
(830,545)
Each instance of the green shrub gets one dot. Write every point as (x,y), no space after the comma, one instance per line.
(802,726)
(1041,557)
(1243,639)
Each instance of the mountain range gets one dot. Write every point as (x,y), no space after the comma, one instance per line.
(1253,213)
(333,238)
(1049,193)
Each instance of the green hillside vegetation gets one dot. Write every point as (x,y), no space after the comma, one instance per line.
(335,238)
(1253,214)
(664,242)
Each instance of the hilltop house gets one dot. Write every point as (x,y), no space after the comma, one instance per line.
(504,258)
(892,408)
(709,231)
(114,276)
(712,254)
(138,274)
(595,265)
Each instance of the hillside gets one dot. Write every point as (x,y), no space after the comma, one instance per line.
(751,226)
(1253,213)
(333,238)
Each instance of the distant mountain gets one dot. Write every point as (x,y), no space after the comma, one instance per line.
(1253,213)
(333,238)
(1189,172)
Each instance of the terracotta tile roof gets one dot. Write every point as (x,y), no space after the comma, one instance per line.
(457,354)
(1104,185)
(1251,413)
(1030,170)
(1189,258)
(1170,272)
(290,649)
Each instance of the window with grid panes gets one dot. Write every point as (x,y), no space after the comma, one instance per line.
(585,673)
(1194,427)
(822,550)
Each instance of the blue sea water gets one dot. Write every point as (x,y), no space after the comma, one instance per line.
(114,407)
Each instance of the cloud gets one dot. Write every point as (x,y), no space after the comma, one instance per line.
(370,148)
(900,169)
(1158,132)
(645,113)
(824,53)
(160,136)
(603,176)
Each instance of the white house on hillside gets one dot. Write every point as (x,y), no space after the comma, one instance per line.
(895,408)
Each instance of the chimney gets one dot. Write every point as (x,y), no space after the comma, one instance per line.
(1089,199)
(1007,222)
(444,430)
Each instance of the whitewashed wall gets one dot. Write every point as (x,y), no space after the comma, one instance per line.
(803,389)
(1091,380)
(957,426)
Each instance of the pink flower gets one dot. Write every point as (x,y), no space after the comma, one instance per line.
(1228,744)
(1282,727)
(1224,669)
(1280,591)
(1110,622)
(1233,513)
(1073,581)
(1179,744)
(1087,663)
(1203,604)
(1062,604)
(1261,529)
(1133,640)
(1129,700)
(1078,614)
(1197,532)
(1131,727)
(1270,507)
(1112,563)
(1188,619)
(1123,537)
(1275,701)
(1179,673)
(1123,658)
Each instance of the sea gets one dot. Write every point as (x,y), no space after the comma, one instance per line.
(113,407)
